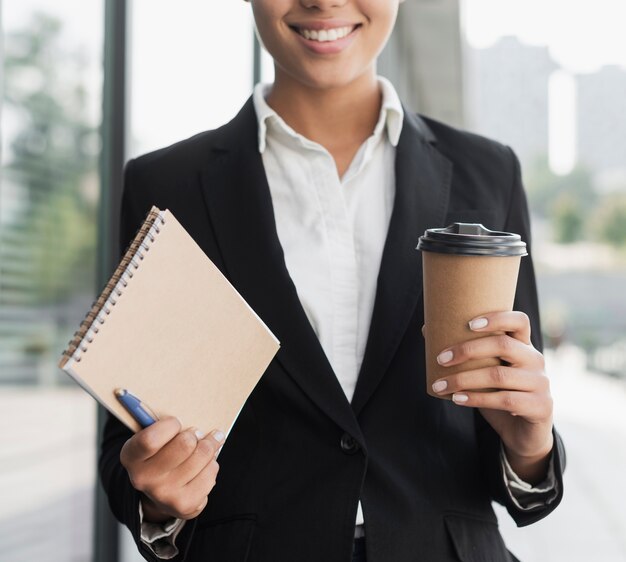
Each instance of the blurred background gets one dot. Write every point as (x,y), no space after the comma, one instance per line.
(87,85)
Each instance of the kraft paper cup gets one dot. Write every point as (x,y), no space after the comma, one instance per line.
(469,270)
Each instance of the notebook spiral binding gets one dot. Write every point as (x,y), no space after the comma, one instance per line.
(114,289)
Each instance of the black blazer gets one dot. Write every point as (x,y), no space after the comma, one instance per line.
(300,455)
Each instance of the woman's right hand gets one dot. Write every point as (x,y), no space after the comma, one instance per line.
(173,469)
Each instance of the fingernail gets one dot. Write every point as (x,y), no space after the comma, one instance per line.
(445,357)
(478,323)
(219,435)
(199,434)
(440,385)
(460,398)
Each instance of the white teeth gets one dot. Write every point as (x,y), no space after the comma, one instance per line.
(324,35)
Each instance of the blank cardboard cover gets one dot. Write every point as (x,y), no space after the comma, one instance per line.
(179,336)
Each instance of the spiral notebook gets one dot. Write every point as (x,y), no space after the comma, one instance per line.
(173,331)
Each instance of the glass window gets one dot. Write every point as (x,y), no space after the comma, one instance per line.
(549,79)
(48,205)
(190,68)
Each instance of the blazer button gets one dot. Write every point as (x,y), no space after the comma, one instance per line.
(348,444)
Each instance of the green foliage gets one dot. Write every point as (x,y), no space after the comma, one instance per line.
(547,190)
(568,219)
(52,163)
(609,220)
(573,206)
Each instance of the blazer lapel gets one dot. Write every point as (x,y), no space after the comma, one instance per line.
(423,177)
(239,204)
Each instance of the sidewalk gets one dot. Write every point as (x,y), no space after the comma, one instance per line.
(47,468)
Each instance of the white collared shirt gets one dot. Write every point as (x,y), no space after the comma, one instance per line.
(332,229)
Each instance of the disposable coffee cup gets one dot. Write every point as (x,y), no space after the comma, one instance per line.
(469,271)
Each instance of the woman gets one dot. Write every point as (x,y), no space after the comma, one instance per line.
(311,201)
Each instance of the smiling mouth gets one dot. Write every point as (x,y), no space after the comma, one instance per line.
(325,35)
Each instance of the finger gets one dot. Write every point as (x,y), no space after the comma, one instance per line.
(531,406)
(502,346)
(514,323)
(200,508)
(499,377)
(149,441)
(188,501)
(424,331)
(174,453)
(203,483)
(149,475)
(204,453)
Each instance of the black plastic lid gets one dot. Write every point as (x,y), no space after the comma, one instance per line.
(468,239)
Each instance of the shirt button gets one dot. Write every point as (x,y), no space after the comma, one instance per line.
(348,444)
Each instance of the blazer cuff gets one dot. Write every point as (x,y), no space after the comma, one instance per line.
(160,538)
(525,496)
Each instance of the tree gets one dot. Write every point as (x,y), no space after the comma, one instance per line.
(563,200)
(545,187)
(568,219)
(52,162)
(609,221)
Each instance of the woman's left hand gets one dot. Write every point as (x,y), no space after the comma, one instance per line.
(519,408)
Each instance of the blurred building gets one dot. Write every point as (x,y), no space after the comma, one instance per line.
(601,139)
(507,95)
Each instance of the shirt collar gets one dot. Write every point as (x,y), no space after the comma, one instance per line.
(391,114)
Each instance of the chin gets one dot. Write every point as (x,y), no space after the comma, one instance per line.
(327,79)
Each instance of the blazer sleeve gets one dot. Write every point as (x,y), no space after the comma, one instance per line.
(123,498)
(518,221)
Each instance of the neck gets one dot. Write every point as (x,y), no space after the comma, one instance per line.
(340,118)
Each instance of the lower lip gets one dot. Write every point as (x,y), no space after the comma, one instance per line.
(328,47)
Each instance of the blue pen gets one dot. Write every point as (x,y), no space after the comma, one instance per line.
(140,412)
